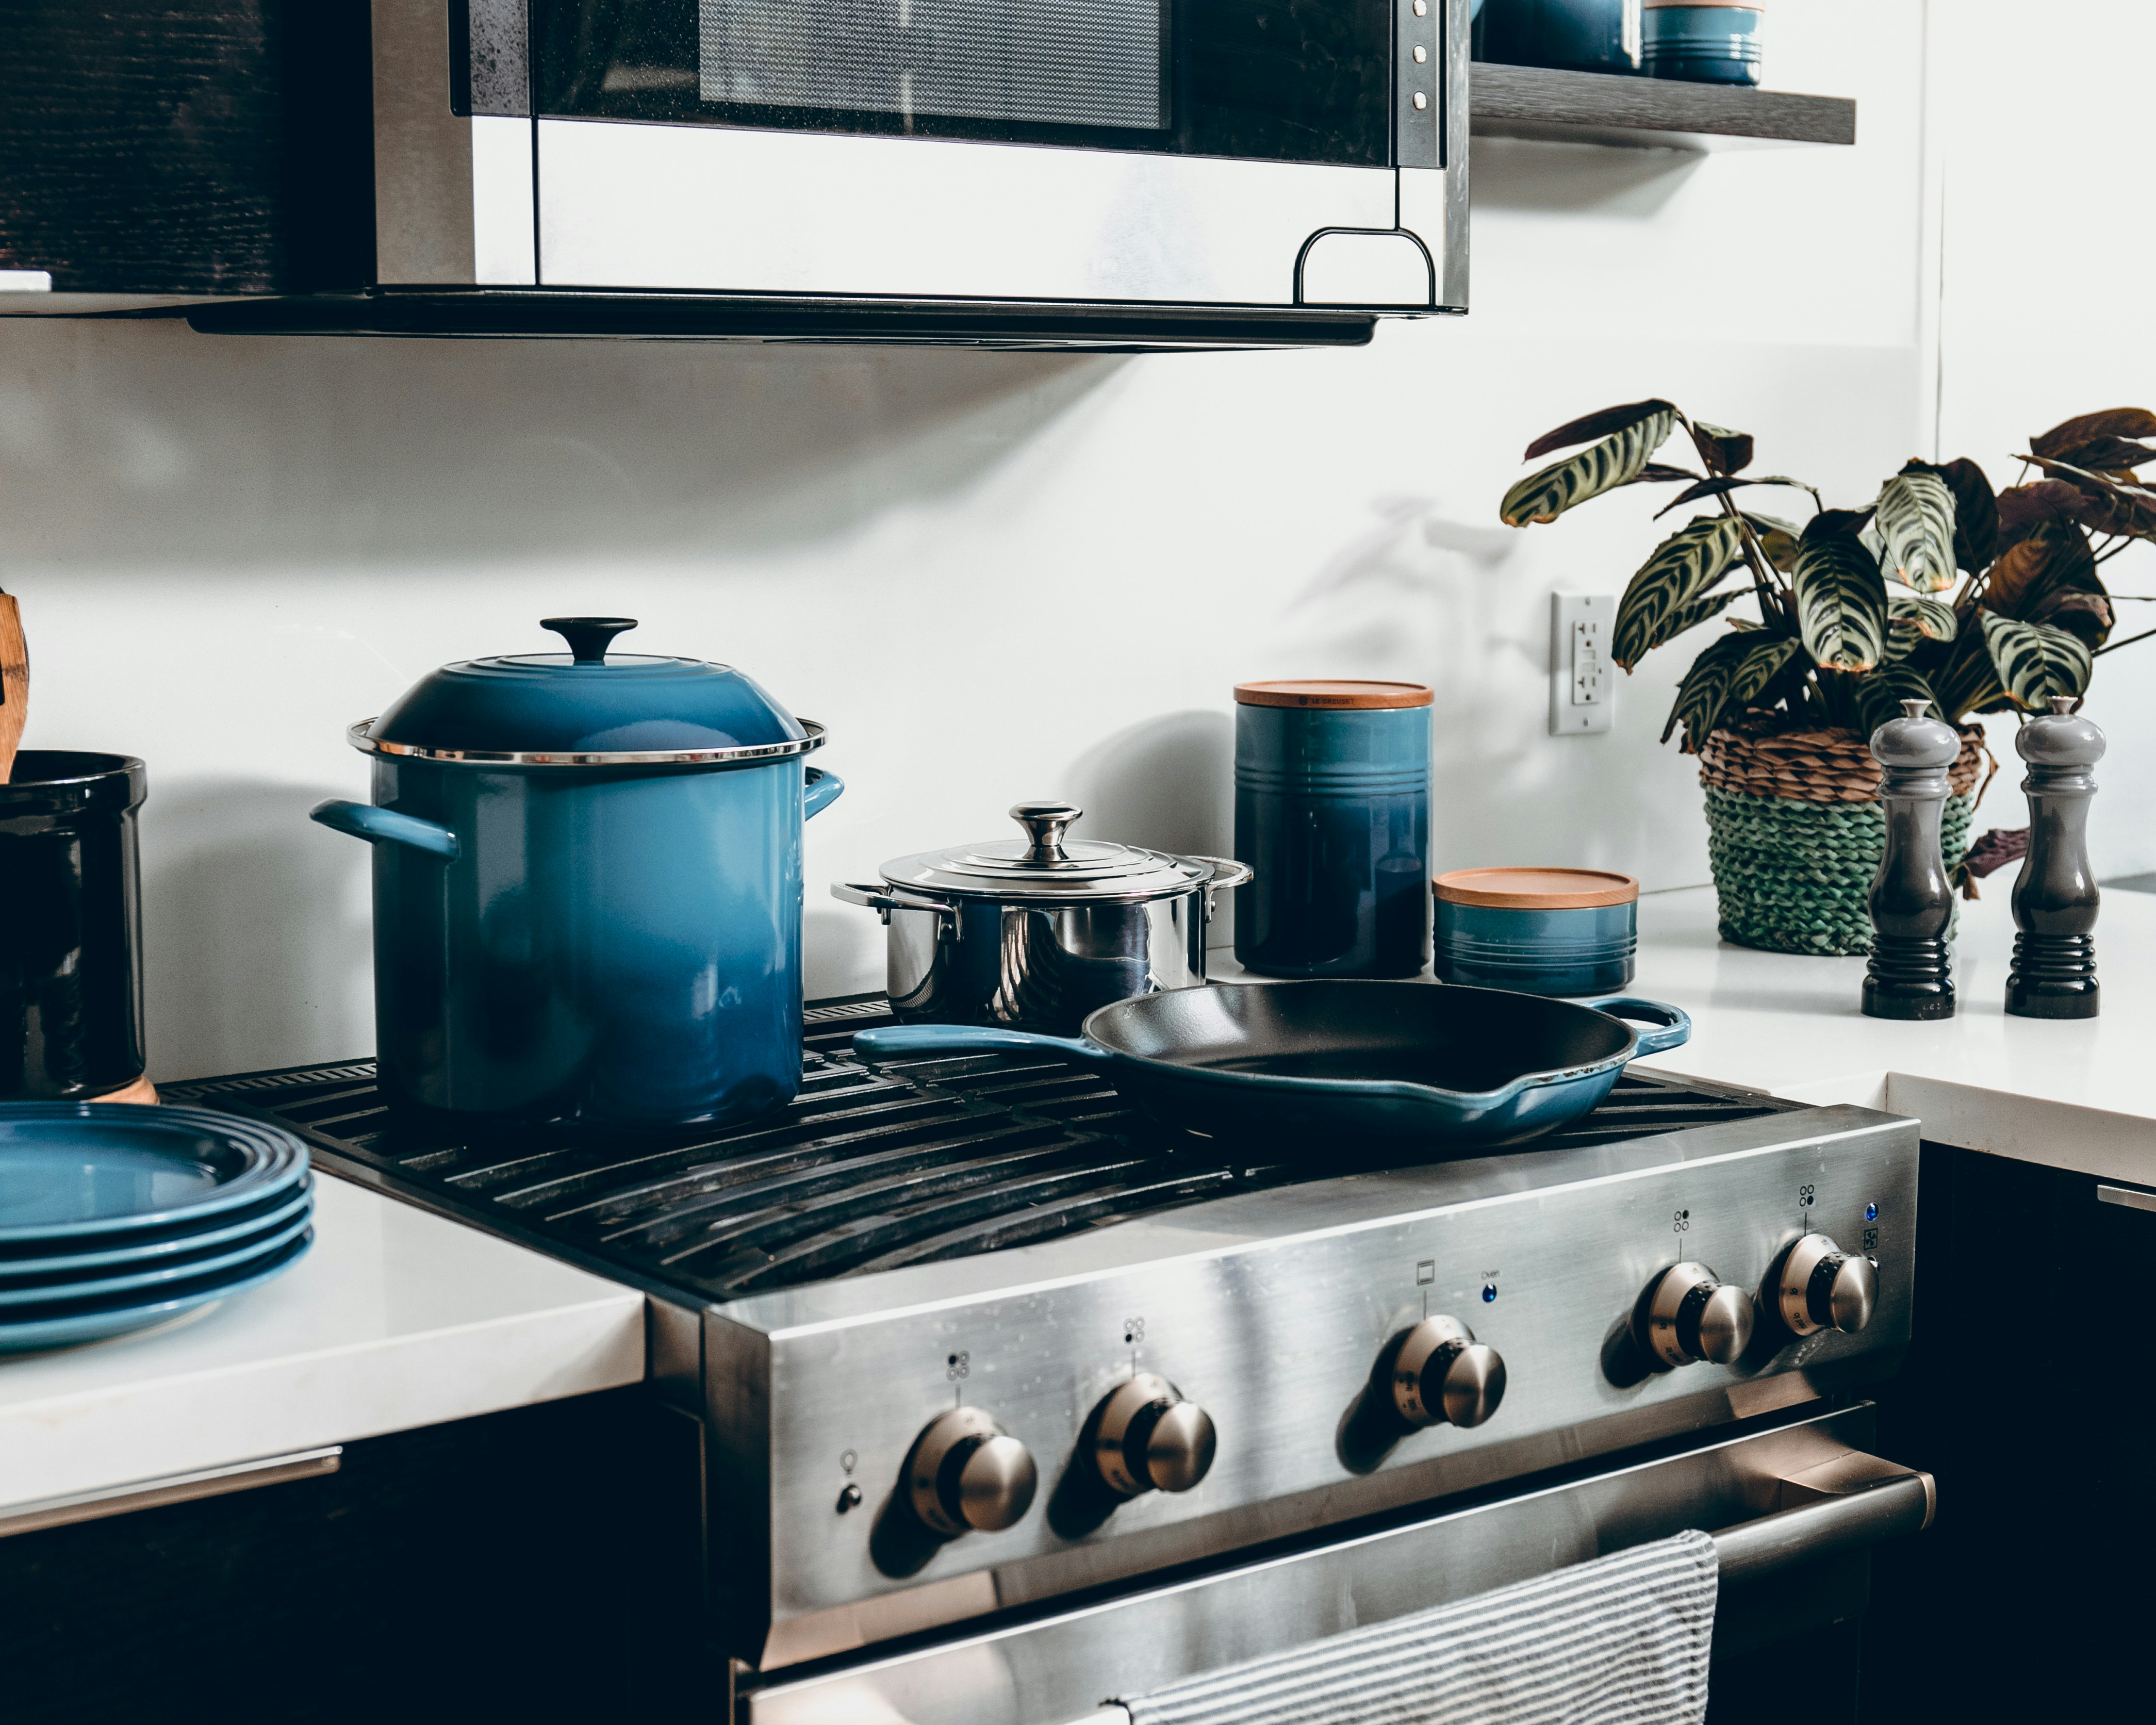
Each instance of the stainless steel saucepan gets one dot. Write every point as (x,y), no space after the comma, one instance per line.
(1035,933)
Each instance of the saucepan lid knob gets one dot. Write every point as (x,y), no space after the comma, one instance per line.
(1044,824)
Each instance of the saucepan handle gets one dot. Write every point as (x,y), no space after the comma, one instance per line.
(386,826)
(895,1040)
(1673,1027)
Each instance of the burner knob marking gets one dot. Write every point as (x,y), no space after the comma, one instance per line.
(966,1472)
(1822,1288)
(1691,1314)
(1441,1374)
(1149,1438)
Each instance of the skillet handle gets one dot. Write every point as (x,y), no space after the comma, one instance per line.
(896,1039)
(1674,1026)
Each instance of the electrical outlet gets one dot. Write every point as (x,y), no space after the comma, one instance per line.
(1583,679)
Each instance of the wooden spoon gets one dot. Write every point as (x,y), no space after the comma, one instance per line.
(14,684)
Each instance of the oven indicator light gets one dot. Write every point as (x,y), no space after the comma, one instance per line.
(1489,1292)
(1871,1213)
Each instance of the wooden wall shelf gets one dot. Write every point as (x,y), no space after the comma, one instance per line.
(1646,113)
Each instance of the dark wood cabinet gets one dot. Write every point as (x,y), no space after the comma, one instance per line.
(540,1564)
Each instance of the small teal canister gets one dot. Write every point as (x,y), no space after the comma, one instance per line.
(1332,815)
(1560,931)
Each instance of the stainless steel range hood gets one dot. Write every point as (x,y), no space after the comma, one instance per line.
(536,168)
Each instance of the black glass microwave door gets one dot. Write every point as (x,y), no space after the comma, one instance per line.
(1287,80)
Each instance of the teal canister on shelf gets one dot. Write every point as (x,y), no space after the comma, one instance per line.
(1332,815)
(1558,931)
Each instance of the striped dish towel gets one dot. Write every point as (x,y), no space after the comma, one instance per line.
(1622,1641)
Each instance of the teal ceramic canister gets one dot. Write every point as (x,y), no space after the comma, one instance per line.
(1701,44)
(588,889)
(1332,816)
(1561,931)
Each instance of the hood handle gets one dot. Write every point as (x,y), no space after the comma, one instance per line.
(588,637)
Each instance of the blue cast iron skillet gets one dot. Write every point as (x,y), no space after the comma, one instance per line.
(1341,1066)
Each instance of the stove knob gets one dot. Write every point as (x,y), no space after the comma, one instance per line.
(1691,1314)
(1822,1288)
(966,1472)
(1441,1373)
(1149,1437)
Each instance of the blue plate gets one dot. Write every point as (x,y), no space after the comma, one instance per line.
(164,1245)
(27,1302)
(115,1314)
(75,1170)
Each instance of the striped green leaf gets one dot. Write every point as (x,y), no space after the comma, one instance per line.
(1727,676)
(1700,610)
(1841,601)
(2035,661)
(1916,522)
(1616,460)
(1914,618)
(1705,690)
(1685,565)
(1879,696)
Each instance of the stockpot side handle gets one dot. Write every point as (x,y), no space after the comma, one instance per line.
(819,790)
(386,826)
(884,898)
(1673,1025)
(1227,872)
(894,1041)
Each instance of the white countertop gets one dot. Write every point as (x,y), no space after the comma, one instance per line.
(2077,1095)
(396,1318)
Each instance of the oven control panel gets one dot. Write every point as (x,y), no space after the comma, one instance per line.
(909,1461)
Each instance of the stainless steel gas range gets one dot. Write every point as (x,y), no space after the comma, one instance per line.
(1011,1405)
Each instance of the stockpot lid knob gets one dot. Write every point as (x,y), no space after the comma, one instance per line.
(588,637)
(1044,822)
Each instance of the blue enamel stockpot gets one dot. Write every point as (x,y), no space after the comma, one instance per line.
(1581,35)
(1701,44)
(1332,816)
(587,888)
(1559,931)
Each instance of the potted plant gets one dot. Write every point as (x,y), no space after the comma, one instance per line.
(1854,616)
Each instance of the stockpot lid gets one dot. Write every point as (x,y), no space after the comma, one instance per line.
(587,708)
(1050,867)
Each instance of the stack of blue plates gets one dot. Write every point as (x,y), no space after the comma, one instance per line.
(114,1216)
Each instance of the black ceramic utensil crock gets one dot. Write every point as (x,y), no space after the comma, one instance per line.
(70,926)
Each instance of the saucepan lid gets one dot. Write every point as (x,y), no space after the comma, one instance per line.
(1047,865)
(586,707)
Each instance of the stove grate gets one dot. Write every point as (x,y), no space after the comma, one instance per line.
(867,1170)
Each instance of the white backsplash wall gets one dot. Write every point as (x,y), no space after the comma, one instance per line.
(993,575)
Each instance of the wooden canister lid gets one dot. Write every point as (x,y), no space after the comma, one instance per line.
(1535,889)
(1338,694)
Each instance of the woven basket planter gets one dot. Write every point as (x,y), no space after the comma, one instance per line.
(1795,833)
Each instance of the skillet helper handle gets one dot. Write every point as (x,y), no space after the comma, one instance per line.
(386,826)
(1673,1026)
(895,1040)
(819,790)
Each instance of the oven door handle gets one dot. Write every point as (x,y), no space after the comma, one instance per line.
(1854,1499)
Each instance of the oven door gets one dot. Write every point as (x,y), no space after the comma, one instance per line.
(1795,1511)
(1263,153)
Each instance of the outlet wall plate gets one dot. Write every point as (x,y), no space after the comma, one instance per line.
(1583,679)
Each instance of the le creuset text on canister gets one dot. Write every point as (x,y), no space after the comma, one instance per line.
(1034,933)
(1332,815)
(1560,931)
(70,927)
(587,887)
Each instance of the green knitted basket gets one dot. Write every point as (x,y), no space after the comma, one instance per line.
(1791,875)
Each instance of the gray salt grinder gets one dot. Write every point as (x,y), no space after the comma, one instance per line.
(1912,901)
(2054,896)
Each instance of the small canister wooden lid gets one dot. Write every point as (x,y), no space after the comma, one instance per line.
(1535,889)
(1342,695)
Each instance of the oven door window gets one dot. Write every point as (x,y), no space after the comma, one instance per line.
(1283,81)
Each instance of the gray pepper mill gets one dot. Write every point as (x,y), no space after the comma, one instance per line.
(2054,896)
(1912,900)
